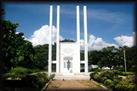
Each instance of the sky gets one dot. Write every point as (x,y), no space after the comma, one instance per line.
(109,24)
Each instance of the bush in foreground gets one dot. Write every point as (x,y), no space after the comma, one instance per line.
(37,80)
(111,79)
(17,73)
(30,77)
(125,86)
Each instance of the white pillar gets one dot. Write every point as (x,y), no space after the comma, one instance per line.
(50,40)
(57,43)
(78,24)
(85,39)
(78,34)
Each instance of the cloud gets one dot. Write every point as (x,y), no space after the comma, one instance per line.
(96,43)
(41,36)
(124,40)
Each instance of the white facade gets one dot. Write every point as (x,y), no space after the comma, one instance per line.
(68,53)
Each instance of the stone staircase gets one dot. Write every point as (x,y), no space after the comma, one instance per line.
(78,76)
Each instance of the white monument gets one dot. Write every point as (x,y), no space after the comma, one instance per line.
(68,61)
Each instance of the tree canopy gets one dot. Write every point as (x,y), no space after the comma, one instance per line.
(113,57)
(15,50)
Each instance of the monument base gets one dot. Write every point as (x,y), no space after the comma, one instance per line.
(75,76)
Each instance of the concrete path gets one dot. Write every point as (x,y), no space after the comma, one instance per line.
(84,85)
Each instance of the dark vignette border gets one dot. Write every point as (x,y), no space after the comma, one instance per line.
(69,2)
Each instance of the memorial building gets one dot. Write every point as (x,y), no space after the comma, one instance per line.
(68,64)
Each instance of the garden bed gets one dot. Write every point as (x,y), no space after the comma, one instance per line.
(113,80)
(20,78)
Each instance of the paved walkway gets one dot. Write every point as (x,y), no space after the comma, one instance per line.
(84,85)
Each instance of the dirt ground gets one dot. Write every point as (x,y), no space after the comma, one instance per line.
(74,85)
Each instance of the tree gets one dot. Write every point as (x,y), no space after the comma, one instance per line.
(94,57)
(130,54)
(7,36)
(15,50)
(67,40)
(108,58)
(25,55)
(41,56)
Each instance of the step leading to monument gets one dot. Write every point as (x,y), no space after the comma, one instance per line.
(78,76)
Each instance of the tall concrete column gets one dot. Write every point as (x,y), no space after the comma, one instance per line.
(78,33)
(57,43)
(50,40)
(85,38)
(78,24)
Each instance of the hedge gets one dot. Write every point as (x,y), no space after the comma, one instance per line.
(31,77)
(111,79)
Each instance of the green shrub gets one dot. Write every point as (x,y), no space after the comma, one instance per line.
(96,77)
(95,69)
(40,79)
(17,73)
(117,72)
(125,86)
(126,73)
(131,78)
(103,75)
(111,79)
(109,74)
(116,81)
(31,76)
(109,83)
(103,79)
(37,80)
(119,68)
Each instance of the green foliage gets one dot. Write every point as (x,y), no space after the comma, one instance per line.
(109,83)
(120,68)
(109,57)
(94,57)
(67,40)
(18,73)
(103,75)
(97,77)
(113,58)
(7,40)
(103,79)
(16,50)
(126,73)
(38,80)
(125,86)
(111,79)
(41,56)
(31,76)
